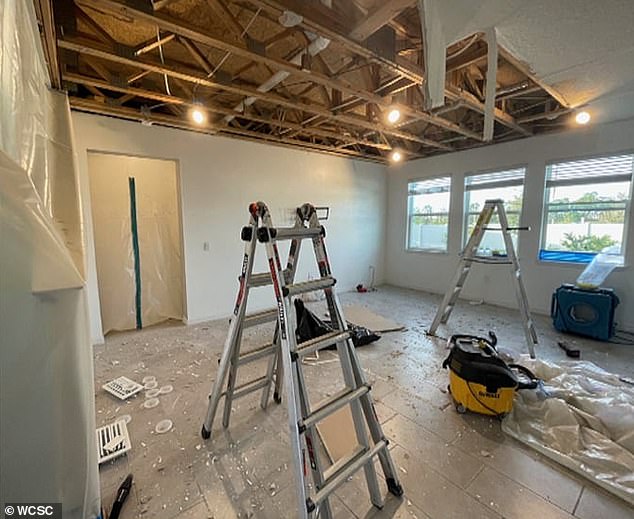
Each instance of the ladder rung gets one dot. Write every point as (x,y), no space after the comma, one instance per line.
(248,387)
(264,278)
(258,353)
(323,341)
(289,233)
(265,316)
(310,286)
(350,465)
(332,404)
(482,259)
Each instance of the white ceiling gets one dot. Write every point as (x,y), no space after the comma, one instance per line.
(582,48)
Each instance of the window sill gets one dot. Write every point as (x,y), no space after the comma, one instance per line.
(572,264)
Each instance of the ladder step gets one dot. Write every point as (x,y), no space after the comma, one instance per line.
(332,404)
(349,466)
(309,286)
(258,353)
(290,233)
(323,341)
(248,387)
(264,278)
(265,316)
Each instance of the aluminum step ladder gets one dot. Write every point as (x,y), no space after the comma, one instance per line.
(470,256)
(284,364)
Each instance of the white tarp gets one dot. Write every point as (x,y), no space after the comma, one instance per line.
(583,419)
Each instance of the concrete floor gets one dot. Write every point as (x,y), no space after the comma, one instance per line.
(451,465)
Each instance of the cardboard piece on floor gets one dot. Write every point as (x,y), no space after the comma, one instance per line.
(337,434)
(362,316)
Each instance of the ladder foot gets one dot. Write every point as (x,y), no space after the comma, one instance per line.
(277,398)
(394,487)
(205,433)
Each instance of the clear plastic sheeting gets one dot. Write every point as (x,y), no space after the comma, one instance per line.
(600,268)
(158,223)
(583,418)
(35,126)
(47,417)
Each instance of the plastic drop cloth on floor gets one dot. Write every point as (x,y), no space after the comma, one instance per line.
(582,418)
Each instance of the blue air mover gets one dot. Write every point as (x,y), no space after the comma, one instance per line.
(584,312)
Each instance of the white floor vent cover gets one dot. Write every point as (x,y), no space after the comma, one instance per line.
(122,387)
(113,440)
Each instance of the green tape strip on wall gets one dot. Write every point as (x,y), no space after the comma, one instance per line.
(135,249)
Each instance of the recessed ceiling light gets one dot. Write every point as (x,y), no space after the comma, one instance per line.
(197,115)
(582,117)
(393,115)
(396,156)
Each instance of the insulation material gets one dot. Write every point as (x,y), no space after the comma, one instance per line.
(47,417)
(158,223)
(583,418)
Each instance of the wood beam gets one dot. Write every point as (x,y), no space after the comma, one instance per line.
(198,56)
(175,26)
(178,122)
(227,18)
(44,9)
(97,29)
(152,44)
(315,20)
(473,103)
(98,68)
(160,4)
(171,99)
(380,16)
(525,69)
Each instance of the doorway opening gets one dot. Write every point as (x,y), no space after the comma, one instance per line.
(138,240)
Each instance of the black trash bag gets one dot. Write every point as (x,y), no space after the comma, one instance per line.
(310,326)
(362,336)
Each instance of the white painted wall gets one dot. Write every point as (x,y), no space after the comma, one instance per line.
(219,177)
(433,271)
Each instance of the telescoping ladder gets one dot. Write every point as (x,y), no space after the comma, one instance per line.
(470,256)
(285,356)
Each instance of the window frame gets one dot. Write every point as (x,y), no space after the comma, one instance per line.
(466,213)
(408,216)
(545,212)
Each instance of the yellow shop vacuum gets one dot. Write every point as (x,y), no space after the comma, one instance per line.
(480,380)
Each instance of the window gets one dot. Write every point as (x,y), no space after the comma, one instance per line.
(428,214)
(507,185)
(586,206)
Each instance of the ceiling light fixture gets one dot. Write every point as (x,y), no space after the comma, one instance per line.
(396,156)
(582,117)
(394,115)
(197,115)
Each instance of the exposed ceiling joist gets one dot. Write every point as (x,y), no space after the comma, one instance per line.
(171,25)
(92,50)
(384,13)
(172,99)
(178,122)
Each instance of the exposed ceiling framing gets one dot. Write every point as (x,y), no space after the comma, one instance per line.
(320,75)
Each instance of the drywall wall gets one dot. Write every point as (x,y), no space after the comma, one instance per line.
(433,271)
(219,177)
